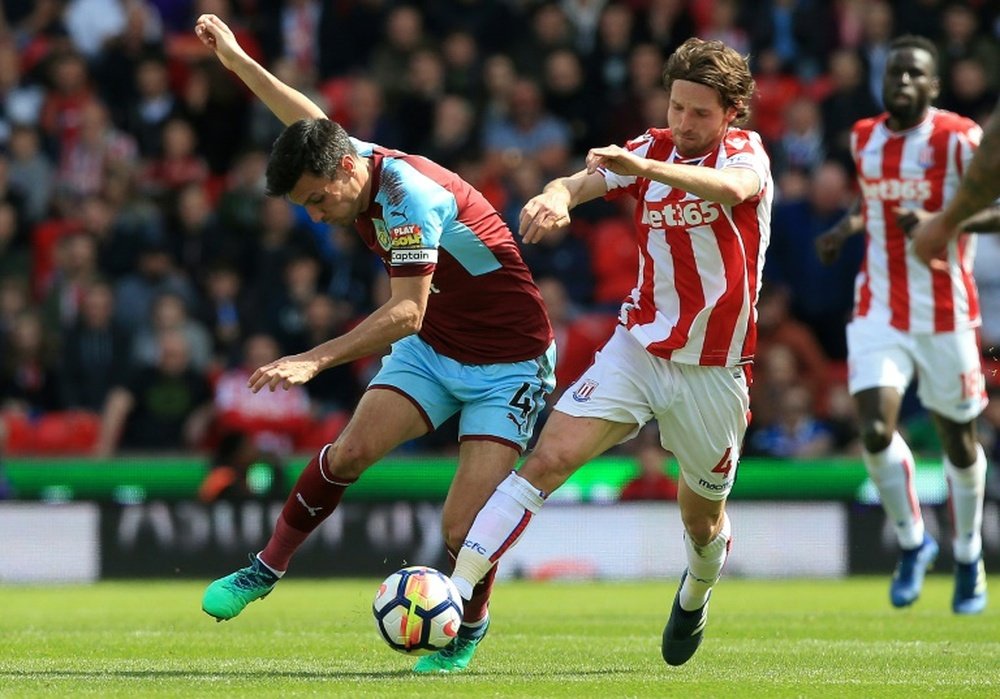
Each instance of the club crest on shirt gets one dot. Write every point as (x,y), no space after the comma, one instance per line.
(926,157)
(382,236)
(582,394)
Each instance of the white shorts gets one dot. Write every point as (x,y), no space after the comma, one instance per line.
(701,410)
(948,366)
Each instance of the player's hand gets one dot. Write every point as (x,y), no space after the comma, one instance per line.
(614,158)
(829,244)
(286,372)
(216,35)
(543,214)
(907,219)
(930,240)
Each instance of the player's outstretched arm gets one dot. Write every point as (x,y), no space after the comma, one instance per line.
(288,104)
(549,210)
(728,186)
(398,317)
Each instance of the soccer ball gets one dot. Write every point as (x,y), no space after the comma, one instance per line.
(417,610)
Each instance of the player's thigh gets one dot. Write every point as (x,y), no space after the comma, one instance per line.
(705,426)
(878,356)
(482,466)
(382,420)
(419,374)
(502,402)
(949,366)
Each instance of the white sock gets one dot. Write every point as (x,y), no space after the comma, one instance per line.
(892,472)
(279,573)
(967,486)
(497,527)
(704,566)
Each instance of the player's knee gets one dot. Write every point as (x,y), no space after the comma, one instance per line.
(701,528)
(348,459)
(876,436)
(548,468)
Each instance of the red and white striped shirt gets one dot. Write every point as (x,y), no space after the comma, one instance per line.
(918,168)
(699,261)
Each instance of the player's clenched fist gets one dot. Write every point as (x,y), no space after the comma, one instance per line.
(216,35)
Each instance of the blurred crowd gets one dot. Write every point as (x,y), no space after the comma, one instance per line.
(144,274)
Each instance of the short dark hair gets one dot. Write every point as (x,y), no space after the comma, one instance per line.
(913,41)
(715,65)
(315,146)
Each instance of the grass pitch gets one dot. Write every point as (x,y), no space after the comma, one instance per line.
(764,639)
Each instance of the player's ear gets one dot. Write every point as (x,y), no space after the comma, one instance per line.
(935,88)
(348,165)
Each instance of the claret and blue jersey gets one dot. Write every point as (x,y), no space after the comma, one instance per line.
(423,219)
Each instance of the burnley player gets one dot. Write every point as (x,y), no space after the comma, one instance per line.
(466,324)
(910,319)
(682,351)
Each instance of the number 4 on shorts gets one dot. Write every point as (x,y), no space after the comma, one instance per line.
(725,465)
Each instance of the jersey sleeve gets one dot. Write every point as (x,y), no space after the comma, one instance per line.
(416,211)
(747,153)
(619,185)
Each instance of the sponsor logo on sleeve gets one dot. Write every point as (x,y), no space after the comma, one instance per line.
(406,236)
(422,256)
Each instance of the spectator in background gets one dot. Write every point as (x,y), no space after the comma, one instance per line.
(609,59)
(163,407)
(225,311)
(31,173)
(627,116)
(156,274)
(462,65)
(239,205)
(20,99)
(652,481)
(849,100)
(423,89)
(877,31)
(272,419)
(154,105)
(822,296)
(264,127)
(284,314)
(94,352)
(526,134)
(669,23)
(453,140)
(28,376)
(403,36)
(177,165)
(962,40)
(170,314)
(548,31)
(366,113)
(968,92)
(777,88)
(196,238)
(96,150)
(796,433)
(800,146)
(15,255)
(568,98)
(565,256)
(75,270)
(14,301)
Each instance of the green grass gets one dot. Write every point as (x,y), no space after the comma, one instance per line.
(764,639)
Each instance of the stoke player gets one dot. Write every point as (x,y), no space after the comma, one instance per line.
(682,351)
(467,327)
(910,319)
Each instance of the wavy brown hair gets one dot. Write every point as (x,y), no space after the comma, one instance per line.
(715,65)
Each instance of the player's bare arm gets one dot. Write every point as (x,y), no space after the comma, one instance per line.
(288,104)
(400,316)
(829,243)
(549,210)
(729,186)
